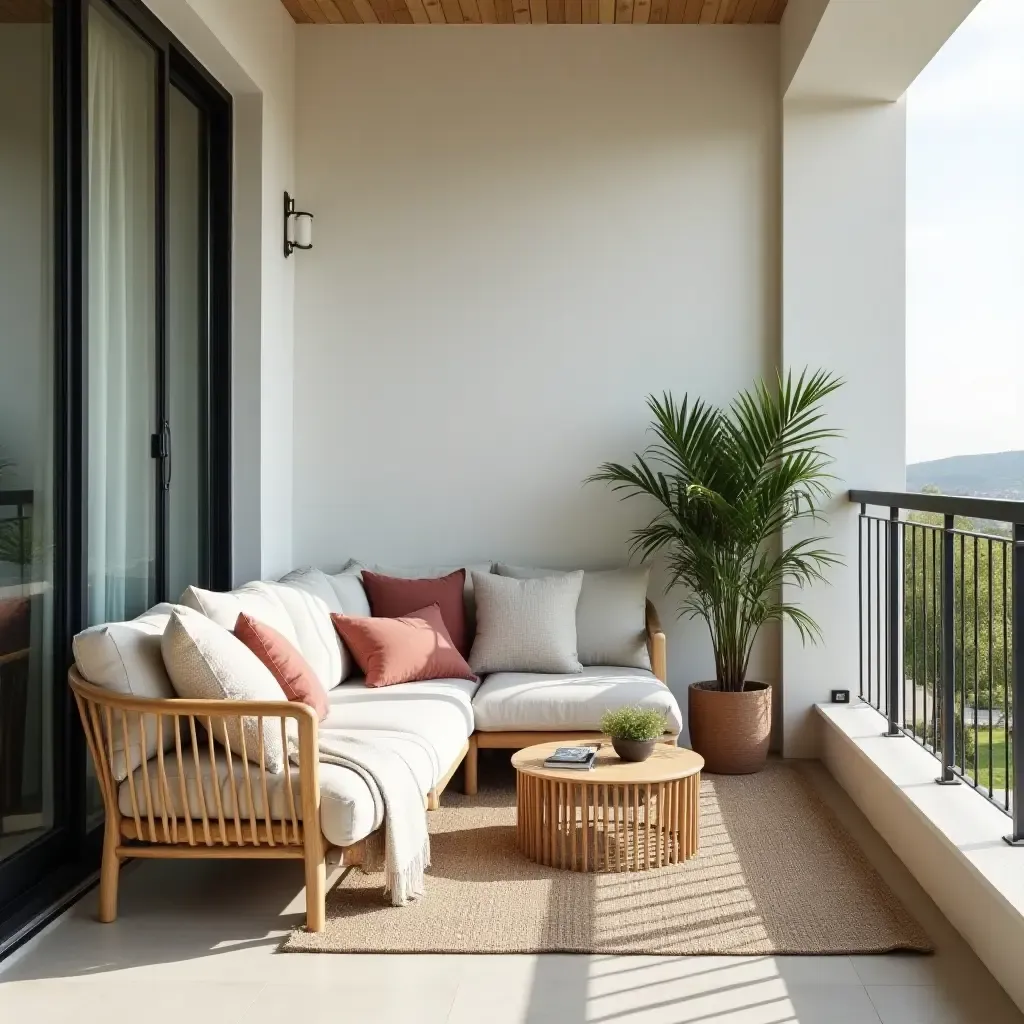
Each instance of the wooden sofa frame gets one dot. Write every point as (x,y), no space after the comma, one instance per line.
(658,650)
(221,831)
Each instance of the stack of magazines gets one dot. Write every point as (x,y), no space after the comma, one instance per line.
(580,758)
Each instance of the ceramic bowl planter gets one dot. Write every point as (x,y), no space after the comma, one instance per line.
(633,750)
(731,730)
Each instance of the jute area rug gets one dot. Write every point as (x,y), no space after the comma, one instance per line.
(776,873)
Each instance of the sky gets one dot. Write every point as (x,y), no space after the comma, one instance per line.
(965,241)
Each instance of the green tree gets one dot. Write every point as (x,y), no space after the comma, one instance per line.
(983,593)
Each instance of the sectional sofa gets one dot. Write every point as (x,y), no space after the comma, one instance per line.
(170,790)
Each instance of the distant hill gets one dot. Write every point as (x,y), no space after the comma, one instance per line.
(995,475)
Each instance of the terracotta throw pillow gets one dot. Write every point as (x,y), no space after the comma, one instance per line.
(291,670)
(403,650)
(391,597)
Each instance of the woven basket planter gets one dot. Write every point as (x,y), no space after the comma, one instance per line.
(731,731)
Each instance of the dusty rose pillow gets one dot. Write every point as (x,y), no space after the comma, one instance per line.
(402,650)
(392,596)
(291,670)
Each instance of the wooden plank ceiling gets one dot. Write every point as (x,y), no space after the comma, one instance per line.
(525,12)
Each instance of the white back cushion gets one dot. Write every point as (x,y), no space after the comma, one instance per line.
(297,612)
(124,658)
(322,595)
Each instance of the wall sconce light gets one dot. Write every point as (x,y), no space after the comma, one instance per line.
(298,227)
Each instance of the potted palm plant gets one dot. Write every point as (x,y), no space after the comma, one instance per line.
(730,483)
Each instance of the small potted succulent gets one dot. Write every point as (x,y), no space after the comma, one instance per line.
(634,731)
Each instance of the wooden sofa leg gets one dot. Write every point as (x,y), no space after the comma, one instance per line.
(470,778)
(316,882)
(315,888)
(110,869)
(433,800)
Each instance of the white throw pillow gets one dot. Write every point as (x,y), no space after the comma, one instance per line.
(526,625)
(611,617)
(124,658)
(208,662)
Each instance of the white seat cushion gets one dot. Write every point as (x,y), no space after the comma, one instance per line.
(426,723)
(538,702)
(444,707)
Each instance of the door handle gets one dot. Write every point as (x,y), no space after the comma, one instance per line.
(160,448)
(168,464)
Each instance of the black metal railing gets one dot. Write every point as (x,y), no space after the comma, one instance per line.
(939,629)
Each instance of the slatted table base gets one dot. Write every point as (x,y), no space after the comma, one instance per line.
(607,827)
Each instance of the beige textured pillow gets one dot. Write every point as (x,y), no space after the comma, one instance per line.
(611,617)
(525,625)
(207,662)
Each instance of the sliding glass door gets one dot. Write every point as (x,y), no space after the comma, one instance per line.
(122,286)
(149,494)
(26,437)
(115,224)
(187,353)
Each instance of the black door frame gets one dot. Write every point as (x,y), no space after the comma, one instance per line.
(34,881)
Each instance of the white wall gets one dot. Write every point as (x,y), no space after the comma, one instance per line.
(249,46)
(862,49)
(844,137)
(519,235)
(844,299)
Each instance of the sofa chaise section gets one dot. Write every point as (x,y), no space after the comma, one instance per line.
(250,812)
(428,729)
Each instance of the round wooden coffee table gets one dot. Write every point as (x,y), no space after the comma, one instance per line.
(619,816)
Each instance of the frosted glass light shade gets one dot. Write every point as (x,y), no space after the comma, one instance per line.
(303,230)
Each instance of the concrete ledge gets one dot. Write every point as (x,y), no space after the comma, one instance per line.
(949,837)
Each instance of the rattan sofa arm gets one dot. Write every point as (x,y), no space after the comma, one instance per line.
(656,644)
(106,716)
(183,706)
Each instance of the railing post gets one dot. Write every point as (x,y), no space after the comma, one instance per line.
(947,709)
(1016,838)
(894,660)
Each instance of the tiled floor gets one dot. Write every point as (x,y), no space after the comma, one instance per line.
(197,942)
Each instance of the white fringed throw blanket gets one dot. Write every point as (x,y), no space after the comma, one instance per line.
(398,802)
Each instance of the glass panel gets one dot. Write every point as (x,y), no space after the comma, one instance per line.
(26,434)
(185,342)
(122,317)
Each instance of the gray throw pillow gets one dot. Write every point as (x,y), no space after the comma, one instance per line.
(525,625)
(611,617)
